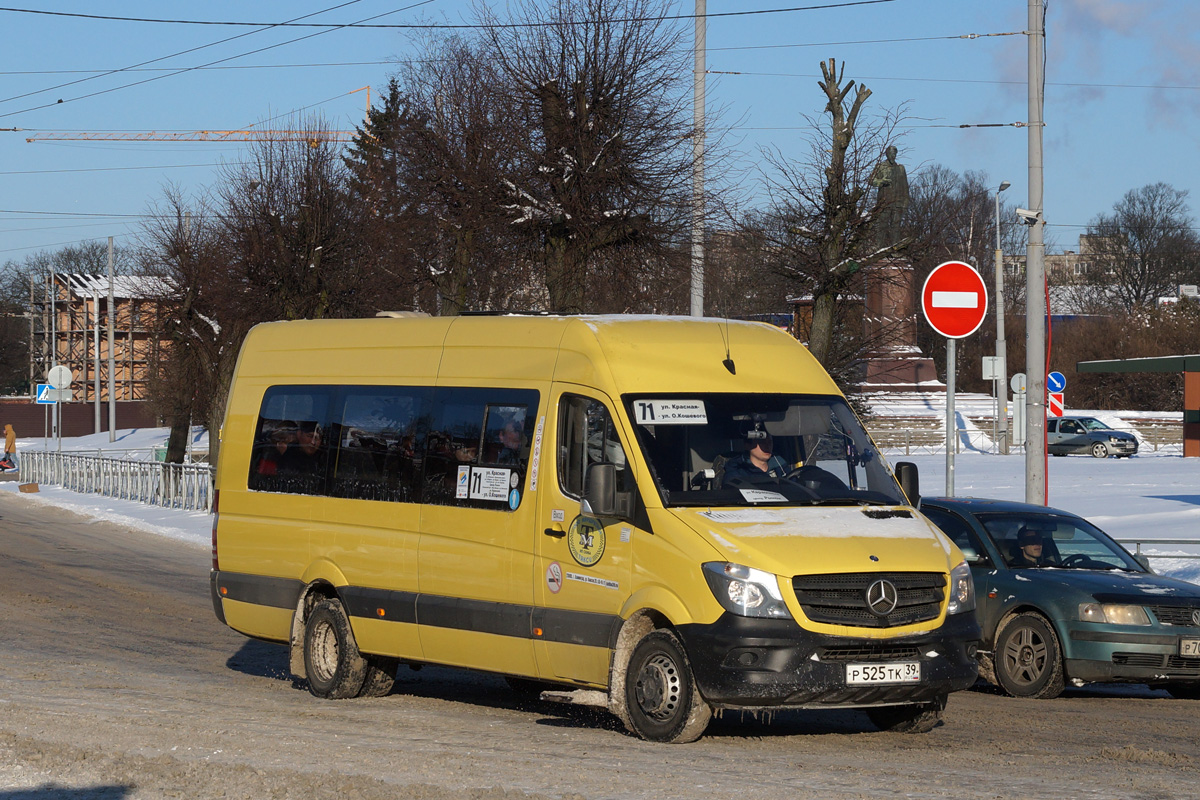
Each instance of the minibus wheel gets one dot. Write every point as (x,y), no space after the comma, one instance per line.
(334,666)
(916,718)
(662,703)
(380,676)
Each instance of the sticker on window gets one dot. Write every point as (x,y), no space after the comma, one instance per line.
(489,483)
(670,412)
(760,496)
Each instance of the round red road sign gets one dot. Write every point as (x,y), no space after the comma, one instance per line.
(954,299)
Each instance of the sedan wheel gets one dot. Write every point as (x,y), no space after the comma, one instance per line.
(1099,450)
(1028,658)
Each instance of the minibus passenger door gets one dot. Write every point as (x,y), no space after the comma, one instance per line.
(584,550)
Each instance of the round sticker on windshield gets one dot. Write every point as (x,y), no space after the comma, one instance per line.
(585,540)
(514,499)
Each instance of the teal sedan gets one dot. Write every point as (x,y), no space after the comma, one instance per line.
(1061,603)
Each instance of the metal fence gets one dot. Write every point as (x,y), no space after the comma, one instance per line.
(924,441)
(188,487)
(1137,543)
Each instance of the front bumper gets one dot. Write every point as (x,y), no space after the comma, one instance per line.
(1123,657)
(742,662)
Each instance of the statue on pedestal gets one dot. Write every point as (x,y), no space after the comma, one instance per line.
(891,183)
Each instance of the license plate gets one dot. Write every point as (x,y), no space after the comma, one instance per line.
(901,672)
(1189,647)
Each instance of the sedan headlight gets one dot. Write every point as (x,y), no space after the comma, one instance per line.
(745,591)
(962,590)
(1113,614)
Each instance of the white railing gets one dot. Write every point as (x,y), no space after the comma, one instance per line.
(923,441)
(1137,543)
(188,487)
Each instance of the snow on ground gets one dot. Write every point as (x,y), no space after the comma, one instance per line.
(1149,496)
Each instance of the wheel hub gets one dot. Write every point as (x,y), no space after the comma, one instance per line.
(657,687)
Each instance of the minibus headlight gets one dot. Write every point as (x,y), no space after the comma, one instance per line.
(962,590)
(1112,613)
(745,591)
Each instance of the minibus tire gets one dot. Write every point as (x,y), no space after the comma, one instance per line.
(332,662)
(662,703)
(916,718)
(380,676)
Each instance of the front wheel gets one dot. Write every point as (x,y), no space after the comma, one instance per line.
(1028,659)
(661,700)
(332,662)
(917,718)
(1099,450)
(1184,691)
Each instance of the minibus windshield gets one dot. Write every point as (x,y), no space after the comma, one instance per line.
(759,449)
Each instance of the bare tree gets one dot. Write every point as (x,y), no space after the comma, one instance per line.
(819,225)
(289,232)
(1143,249)
(602,87)
(203,305)
(429,171)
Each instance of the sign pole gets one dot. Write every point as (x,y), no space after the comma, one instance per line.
(954,299)
(950,426)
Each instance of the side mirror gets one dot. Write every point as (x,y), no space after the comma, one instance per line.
(600,492)
(910,482)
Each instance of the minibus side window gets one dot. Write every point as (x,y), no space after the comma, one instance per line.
(477,450)
(586,436)
(380,432)
(291,446)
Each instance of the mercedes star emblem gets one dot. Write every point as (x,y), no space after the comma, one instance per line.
(882,597)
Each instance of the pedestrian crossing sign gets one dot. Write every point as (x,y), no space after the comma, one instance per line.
(46,396)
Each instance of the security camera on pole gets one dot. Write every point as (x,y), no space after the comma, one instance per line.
(954,299)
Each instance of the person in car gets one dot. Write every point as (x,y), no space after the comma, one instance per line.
(1029,552)
(757,462)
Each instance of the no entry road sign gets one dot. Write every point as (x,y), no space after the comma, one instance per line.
(954,299)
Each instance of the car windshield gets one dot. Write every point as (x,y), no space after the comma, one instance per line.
(1064,542)
(1093,424)
(759,449)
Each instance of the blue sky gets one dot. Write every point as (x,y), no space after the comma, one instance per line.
(1122,96)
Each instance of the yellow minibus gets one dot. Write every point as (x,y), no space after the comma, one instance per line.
(677,516)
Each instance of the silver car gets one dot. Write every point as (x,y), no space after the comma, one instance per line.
(1088,436)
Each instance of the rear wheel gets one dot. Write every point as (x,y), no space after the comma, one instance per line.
(1028,659)
(332,662)
(661,700)
(1099,450)
(918,718)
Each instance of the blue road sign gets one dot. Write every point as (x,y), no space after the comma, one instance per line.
(45,395)
(1056,382)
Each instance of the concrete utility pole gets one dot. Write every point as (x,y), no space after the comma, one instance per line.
(1001,345)
(1035,272)
(697,306)
(112,381)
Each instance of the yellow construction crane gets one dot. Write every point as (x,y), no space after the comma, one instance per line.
(313,138)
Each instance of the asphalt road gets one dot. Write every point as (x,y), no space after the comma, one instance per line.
(116,681)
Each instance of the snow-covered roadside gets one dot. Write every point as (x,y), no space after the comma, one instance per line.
(1148,496)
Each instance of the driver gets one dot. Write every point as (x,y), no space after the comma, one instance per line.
(1029,549)
(758,460)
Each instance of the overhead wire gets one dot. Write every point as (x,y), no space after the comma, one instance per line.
(449,26)
(164,58)
(218,61)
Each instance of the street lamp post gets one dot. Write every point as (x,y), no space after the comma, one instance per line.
(1001,350)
